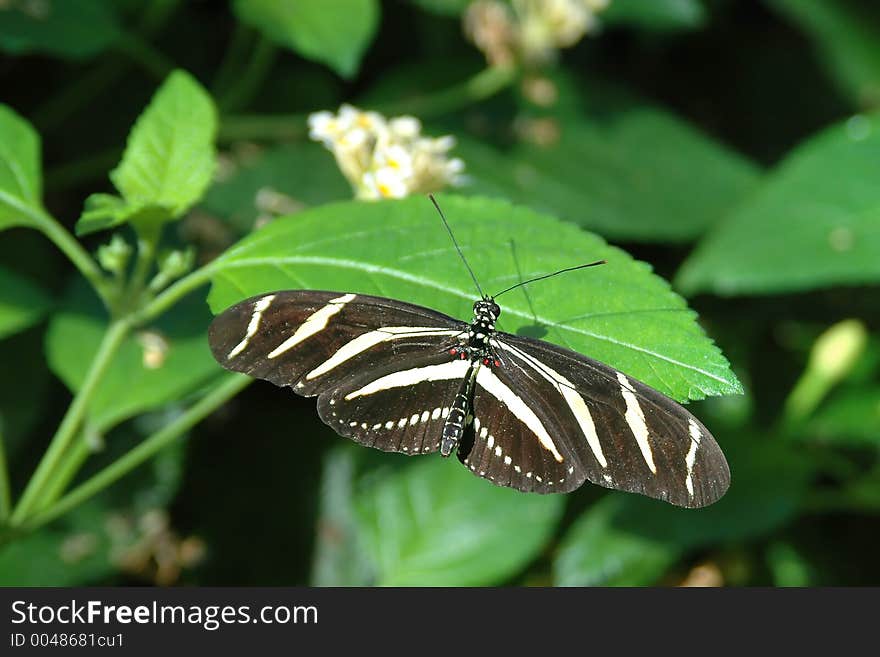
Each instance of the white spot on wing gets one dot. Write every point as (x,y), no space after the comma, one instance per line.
(365,341)
(691,457)
(571,396)
(316,323)
(495,387)
(259,308)
(455,369)
(635,418)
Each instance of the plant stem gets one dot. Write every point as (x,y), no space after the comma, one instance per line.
(70,465)
(67,431)
(5,496)
(53,113)
(242,38)
(86,265)
(146,56)
(242,90)
(231,386)
(481,86)
(147,241)
(172,294)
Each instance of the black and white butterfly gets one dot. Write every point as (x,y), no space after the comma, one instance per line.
(517,411)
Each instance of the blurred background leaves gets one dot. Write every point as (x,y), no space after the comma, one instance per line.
(731,144)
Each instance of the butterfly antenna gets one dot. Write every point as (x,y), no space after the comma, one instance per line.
(541,278)
(457,247)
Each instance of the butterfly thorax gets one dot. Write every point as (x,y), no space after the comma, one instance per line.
(482,327)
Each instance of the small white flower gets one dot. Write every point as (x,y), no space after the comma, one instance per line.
(405,127)
(385,158)
(533,30)
(385,183)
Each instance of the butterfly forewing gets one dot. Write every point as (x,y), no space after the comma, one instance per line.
(314,340)
(352,351)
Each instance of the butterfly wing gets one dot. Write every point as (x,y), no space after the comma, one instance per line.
(354,352)
(565,418)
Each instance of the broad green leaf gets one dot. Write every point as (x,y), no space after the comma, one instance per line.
(663,15)
(20,169)
(788,566)
(155,366)
(74,552)
(293,175)
(850,417)
(768,482)
(21,303)
(848,39)
(95,540)
(435,524)
(815,222)
(168,163)
(58,27)
(619,313)
(337,38)
(339,557)
(642,175)
(597,553)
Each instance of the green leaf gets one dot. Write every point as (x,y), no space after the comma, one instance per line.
(661,15)
(788,566)
(595,552)
(301,174)
(100,537)
(72,553)
(642,175)
(815,222)
(339,557)
(168,163)
(22,303)
(61,28)
(337,38)
(850,417)
(848,39)
(20,169)
(155,366)
(435,524)
(620,313)
(606,545)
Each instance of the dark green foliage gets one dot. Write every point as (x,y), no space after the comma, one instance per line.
(732,148)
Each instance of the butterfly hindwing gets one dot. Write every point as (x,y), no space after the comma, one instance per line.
(617,431)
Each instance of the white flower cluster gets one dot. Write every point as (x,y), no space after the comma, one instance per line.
(386,158)
(530,30)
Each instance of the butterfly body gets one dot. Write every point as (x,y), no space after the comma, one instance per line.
(516,411)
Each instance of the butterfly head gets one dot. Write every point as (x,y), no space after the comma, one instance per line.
(486,310)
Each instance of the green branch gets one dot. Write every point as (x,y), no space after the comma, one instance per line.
(69,427)
(65,242)
(172,294)
(231,386)
(481,86)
